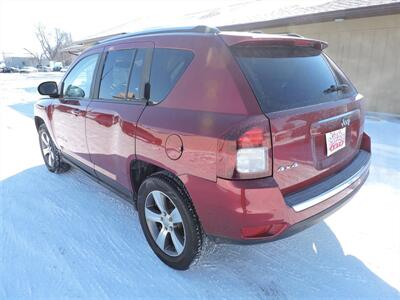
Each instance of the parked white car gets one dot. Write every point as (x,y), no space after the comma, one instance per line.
(44,69)
(64,69)
(28,70)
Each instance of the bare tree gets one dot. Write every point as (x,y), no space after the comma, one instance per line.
(36,56)
(52,42)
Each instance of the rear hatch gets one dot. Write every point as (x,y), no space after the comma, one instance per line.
(315,115)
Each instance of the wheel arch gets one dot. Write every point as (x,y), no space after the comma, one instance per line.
(140,169)
(38,121)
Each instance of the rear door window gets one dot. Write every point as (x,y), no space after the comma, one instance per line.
(285,77)
(136,79)
(115,75)
(167,67)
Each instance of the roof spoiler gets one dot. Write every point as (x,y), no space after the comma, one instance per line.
(272,39)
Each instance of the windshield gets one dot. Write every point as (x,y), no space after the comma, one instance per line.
(285,77)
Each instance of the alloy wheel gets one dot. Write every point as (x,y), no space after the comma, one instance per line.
(165,223)
(47,149)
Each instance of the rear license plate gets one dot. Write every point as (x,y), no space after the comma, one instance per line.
(335,140)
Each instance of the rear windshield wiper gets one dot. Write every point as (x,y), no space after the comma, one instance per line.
(336,88)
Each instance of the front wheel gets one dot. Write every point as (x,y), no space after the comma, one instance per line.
(169,221)
(51,155)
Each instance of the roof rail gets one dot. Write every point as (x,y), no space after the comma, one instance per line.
(192,29)
(291,34)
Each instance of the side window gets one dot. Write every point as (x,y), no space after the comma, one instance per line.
(78,82)
(135,83)
(167,67)
(115,75)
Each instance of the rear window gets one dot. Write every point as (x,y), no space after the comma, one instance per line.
(288,77)
(167,67)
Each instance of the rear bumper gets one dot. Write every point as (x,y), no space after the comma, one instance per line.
(301,225)
(306,223)
(251,211)
(331,186)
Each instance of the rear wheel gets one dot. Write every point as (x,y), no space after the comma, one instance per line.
(51,155)
(169,221)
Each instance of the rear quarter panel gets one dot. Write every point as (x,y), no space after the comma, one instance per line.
(210,97)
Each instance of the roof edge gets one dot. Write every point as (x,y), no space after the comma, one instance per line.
(350,13)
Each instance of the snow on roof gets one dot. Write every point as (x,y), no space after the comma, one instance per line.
(251,14)
(263,10)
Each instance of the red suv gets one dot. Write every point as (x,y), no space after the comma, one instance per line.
(241,136)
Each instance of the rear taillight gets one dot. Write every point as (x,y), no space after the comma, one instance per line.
(245,152)
(252,152)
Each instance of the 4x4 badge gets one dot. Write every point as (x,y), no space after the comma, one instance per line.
(288,167)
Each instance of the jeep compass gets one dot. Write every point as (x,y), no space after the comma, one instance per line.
(244,137)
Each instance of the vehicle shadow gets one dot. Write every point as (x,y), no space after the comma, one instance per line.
(30,90)
(24,108)
(67,236)
(311,264)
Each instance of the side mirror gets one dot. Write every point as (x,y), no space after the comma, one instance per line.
(48,88)
(74,92)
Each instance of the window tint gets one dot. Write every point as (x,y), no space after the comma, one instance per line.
(287,77)
(114,78)
(342,79)
(167,67)
(135,83)
(78,82)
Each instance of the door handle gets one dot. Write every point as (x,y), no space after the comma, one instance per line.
(76,112)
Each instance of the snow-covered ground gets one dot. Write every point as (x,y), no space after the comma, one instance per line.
(66,236)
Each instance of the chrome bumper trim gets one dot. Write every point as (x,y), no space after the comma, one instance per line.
(332,192)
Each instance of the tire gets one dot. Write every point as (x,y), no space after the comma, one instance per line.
(181,245)
(51,155)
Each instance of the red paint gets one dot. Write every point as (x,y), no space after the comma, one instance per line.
(299,135)
(174,147)
(195,133)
